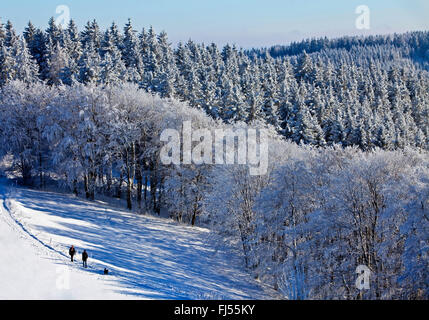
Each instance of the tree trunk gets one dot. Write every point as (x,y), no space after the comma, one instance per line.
(85,182)
(129,203)
(139,187)
(109,179)
(119,190)
(146,181)
(41,170)
(75,187)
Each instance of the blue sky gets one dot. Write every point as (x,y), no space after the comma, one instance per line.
(246,23)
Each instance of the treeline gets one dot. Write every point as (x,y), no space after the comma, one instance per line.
(367,92)
(412,45)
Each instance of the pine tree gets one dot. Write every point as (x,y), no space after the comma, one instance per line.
(167,71)
(58,64)
(210,102)
(53,33)
(91,36)
(130,49)
(310,131)
(2,32)
(112,40)
(7,66)
(10,37)
(26,69)
(73,44)
(194,89)
(304,70)
(29,33)
(90,64)
(113,70)
(271,99)
(151,57)
(254,102)
(36,43)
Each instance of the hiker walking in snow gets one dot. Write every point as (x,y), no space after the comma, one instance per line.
(72,252)
(84,258)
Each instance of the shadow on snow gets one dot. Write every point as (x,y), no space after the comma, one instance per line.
(150,257)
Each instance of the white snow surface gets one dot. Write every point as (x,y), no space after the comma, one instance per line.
(147,257)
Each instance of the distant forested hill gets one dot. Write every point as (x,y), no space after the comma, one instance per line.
(410,45)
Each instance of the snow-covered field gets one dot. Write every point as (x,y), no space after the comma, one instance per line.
(147,257)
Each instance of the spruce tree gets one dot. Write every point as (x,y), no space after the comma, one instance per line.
(26,69)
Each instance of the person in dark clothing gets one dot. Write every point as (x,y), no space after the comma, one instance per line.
(72,252)
(84,258)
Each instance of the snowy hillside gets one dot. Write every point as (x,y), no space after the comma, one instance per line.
(147,257)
